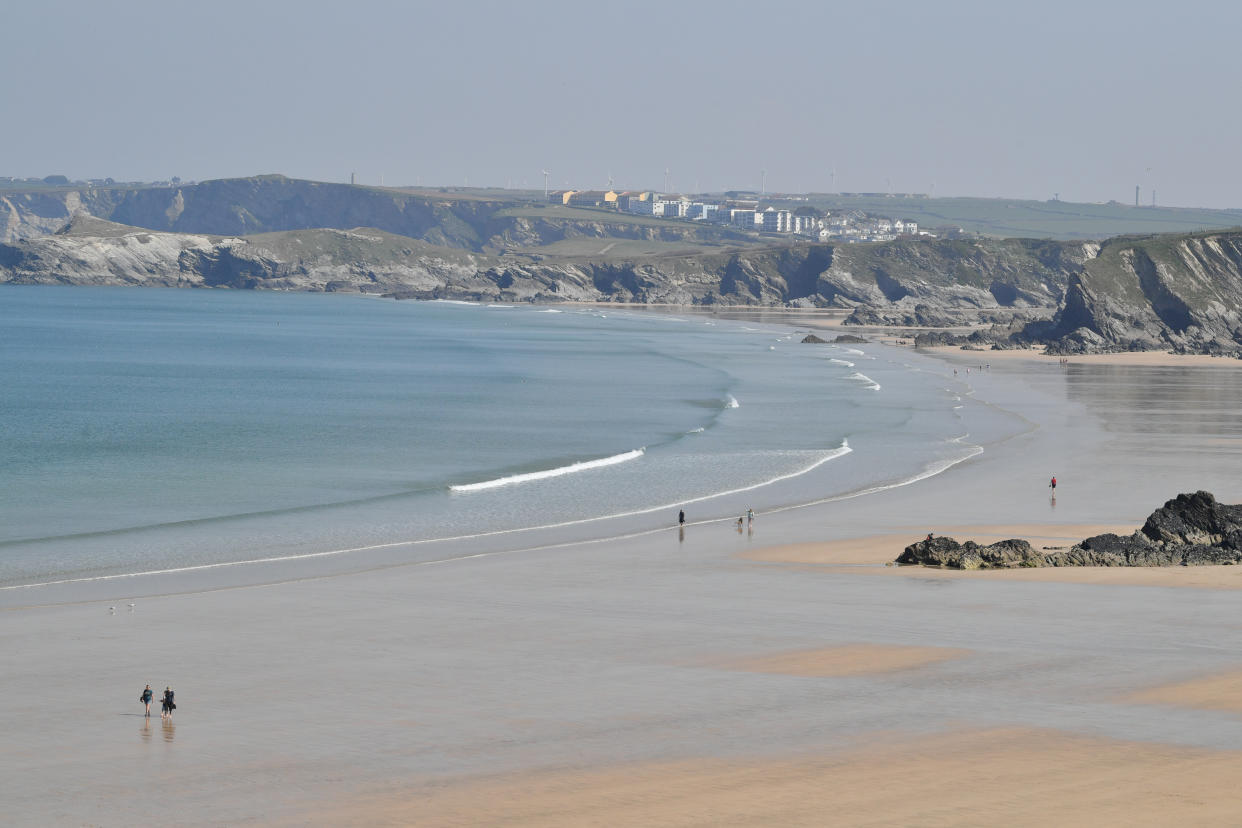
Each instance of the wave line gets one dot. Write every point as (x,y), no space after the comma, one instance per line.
(572,468)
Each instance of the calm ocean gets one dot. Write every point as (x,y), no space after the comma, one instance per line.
(151,429)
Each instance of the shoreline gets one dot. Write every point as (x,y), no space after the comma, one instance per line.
(594,530)
(676,677)
(263,568)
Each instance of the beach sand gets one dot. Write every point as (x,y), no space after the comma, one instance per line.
(703,678)
(1218,692)
(972,778)
(872,555)
(843,660)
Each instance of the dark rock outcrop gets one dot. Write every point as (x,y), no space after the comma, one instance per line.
(947,552)
(849,339)
(1189,530)
(812,339)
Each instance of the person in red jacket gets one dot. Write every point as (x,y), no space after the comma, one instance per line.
(1053,484)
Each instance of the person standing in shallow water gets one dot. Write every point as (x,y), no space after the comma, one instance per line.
(168,706)
(146,697)
(1053,484)
(681,517)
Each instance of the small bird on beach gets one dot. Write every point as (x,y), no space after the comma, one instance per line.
(131,607)
(111,610)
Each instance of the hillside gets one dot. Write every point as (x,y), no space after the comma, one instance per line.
(1178,291)
(271,203)
(494,220)
(1024,218)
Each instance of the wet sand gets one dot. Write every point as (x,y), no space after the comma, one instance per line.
(783,677)
(971,778)
(876,554)
(1219,692)
(843,660)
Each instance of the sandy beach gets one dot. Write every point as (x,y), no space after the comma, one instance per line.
(970,778)
(784,676)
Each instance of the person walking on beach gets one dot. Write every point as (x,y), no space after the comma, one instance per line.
(168,705)
(1053,484)
(681,517)
(750,516)
(146,697)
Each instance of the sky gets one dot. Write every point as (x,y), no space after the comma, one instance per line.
(997,99)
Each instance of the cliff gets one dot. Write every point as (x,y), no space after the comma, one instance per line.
(93,251)
(273,203)
(1180,292)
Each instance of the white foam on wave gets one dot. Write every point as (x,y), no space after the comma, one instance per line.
(698,430)
(861,377)
(930,470)
(731,402)
(844,362)
(502,307)
(551,310)
(455,302)
(572,468)
(831,454)
(854,351)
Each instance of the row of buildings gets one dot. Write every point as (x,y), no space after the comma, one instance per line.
(745,215)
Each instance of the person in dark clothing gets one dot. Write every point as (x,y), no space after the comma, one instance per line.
(681,517)
(168,705)
(146,697)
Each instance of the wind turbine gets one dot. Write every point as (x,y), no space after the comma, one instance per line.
(546,173)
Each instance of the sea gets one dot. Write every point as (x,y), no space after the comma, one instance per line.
(151,430)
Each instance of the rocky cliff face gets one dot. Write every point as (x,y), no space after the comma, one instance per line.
(1179,292)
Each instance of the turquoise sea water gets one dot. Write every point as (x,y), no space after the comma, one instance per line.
(146,429)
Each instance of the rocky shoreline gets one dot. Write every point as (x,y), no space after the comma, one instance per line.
(1179,292)
(1189,530)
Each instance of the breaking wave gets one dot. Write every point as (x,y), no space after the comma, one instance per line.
(860,377)
(584,465)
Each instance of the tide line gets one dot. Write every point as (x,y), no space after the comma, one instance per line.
(832,454)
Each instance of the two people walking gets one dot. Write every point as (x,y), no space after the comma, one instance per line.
(167,703)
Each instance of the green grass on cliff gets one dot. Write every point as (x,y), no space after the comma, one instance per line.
(1010,218)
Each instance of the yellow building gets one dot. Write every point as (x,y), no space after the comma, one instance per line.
(592,198)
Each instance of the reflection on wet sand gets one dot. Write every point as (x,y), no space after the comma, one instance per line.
(170,730)
(1168,404)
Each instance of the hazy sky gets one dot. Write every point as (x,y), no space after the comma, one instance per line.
(1086,99)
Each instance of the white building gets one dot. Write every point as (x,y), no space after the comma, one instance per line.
(745,218)
(699,211)
(777,221)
